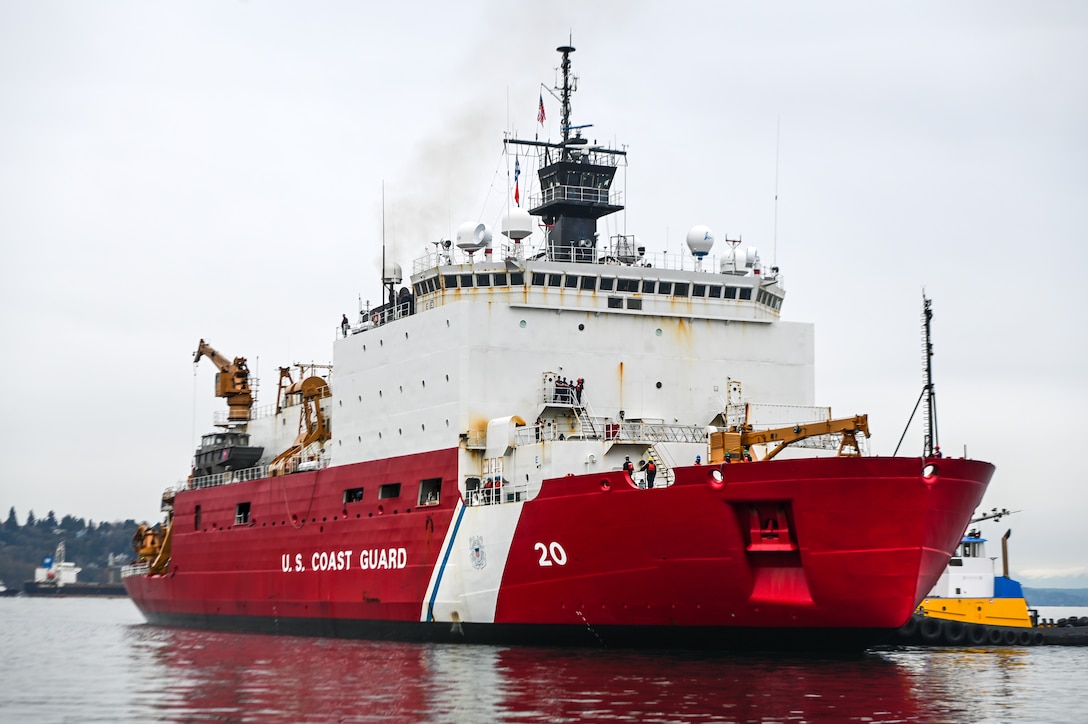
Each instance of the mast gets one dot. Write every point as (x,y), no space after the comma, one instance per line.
(931,442)
(575,182)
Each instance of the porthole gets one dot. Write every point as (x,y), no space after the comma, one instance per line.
(658,384)
(400,431)
(658,332)
(581,327)
(522,324)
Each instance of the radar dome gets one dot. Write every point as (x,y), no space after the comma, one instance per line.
(700,241)
(517,224)
(392,273)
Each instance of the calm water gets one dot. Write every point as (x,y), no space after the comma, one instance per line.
(96,660)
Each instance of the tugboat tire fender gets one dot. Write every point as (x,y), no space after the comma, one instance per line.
(1024,638)
(1038,638)
(907,630)
(993,635)
(1009,637)
(955,632)
(930,630)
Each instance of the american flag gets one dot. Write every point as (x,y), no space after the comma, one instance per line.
(540,117)
(517,172)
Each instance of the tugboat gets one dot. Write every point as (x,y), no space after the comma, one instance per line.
(478,468)
(972,606)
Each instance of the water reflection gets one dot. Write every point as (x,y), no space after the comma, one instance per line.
(194,675)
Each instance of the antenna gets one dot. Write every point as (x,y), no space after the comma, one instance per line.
(930,444)
(777,138)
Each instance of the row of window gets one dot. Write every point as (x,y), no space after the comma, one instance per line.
(559,280)
(430,492)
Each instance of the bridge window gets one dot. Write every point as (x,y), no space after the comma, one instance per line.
(538,279)
(648,286)
(353,495)
(607,284)
(450,281)
(627,285)
(517,279)
(571,282)
(633,303)
(715,291)
(699,290)
(483,280)
(555,280)
(730,292)
(664,288)
(680,289)
(500,279)
(589,283)
(466,280)
(389,490)
(615,302)
(746,293)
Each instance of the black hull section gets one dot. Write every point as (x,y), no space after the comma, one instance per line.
(33,588)
(617,637)
(928,631)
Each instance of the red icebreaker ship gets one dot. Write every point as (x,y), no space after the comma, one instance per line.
(556,439)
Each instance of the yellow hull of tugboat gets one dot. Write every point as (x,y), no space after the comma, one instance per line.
(989,611)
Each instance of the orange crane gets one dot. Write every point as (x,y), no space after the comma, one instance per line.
(231,382)
(743,436)
(312,428)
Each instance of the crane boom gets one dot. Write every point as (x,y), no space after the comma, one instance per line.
(231,382)
(734,443)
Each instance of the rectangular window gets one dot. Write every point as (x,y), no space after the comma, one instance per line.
(241,514)
(538,279)
(649,286)
(500,279)
(698,290)
(430,491)
(680,289)
(450,281)
(746,293)
(517,279)
(664,288)
(730,292)
(627,285)
(634,303)
(716,291)
(483,280)
(389,490)
(353,495)
(615,302)
(571,282)
(196,518)
(589,284)
(555,280)
(607,284)
(466,281)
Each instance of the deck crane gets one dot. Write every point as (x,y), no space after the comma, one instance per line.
(231,382)
(742,437)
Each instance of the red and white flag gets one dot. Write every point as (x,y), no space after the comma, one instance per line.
(540,117)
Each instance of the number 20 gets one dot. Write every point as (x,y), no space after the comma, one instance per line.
(552,552)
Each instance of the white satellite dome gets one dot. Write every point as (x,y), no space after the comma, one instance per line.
(517,224)
(472,236)
(700,241)
(392,273)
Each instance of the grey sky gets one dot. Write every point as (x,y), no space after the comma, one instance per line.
(171,172)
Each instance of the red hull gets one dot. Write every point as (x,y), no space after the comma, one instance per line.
(817,545)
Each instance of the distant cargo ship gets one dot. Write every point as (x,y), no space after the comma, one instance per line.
(553,442)
(59,577)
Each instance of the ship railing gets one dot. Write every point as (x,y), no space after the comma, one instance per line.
(135,569)
(234,476)
(478,493)
(607,428)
